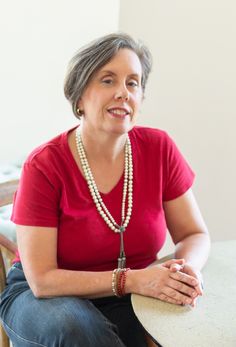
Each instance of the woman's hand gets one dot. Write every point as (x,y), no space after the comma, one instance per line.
(189,270)
(176,265)
(161,282)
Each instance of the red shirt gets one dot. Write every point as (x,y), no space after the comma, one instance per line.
(53,193)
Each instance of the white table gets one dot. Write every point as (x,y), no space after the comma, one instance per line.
(213,322)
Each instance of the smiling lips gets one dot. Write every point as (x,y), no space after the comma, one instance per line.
(119,112)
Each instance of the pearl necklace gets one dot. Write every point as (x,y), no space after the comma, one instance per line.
(96,196)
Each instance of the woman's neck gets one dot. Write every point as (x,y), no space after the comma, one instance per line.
(106,147)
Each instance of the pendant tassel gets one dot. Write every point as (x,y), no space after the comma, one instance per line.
(122,257)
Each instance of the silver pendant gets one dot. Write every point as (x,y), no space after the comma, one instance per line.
(122,257)
(121,262)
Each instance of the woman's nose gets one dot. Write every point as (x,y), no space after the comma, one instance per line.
(122,94)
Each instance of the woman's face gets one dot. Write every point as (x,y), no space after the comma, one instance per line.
(112,98)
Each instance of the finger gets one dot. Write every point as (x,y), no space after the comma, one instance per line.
(199,289)
(174,294)
(185,278)
(176,267)
(198,276)
(166,298)
(182,288)
(168,263)
(194,303)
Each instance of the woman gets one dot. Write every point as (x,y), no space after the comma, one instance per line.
(91,213)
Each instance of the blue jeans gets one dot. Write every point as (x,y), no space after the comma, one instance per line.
(66,321)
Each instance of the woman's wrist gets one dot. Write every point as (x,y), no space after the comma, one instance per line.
(119,279)
(131,281)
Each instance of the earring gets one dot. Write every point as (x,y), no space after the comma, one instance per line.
(80,112)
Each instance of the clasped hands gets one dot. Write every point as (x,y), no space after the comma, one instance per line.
(173,281)
(189,281)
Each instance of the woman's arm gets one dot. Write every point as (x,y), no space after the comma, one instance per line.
(190,235)
(38,251)
(188,230)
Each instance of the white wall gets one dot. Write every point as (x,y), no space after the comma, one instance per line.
(37,40)
(191,92)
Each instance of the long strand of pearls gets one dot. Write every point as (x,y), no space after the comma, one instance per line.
(96,196)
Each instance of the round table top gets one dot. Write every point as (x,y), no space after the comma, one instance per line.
(212,322)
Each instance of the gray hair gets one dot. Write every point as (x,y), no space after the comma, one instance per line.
(89,59)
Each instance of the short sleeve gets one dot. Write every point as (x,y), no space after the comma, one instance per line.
(36,202)
(178,175)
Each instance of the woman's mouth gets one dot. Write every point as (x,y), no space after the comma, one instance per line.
(120,113)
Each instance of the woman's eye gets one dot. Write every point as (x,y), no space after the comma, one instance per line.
(133,84)
(107,81)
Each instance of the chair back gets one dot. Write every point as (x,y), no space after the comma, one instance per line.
(7,247)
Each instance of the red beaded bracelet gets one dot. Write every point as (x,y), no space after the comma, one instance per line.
(122,281)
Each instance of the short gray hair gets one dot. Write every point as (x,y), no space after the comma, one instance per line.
(89,59)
